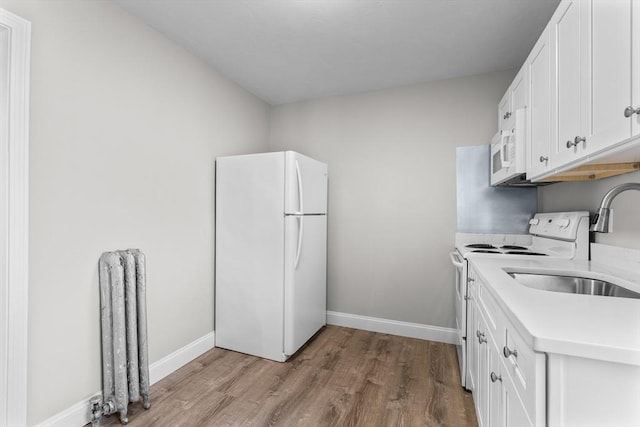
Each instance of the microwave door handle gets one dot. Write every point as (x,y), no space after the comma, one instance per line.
(504,135)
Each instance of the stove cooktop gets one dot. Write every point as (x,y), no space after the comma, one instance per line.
(525,253)
(480,246)
(486,248)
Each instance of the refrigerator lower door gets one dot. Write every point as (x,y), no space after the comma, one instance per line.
(305,302)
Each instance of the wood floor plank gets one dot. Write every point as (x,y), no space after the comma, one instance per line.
(343,377)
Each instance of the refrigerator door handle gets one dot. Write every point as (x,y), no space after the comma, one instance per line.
(299,248)
(299,178)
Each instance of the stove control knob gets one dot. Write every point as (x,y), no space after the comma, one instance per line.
(564,223)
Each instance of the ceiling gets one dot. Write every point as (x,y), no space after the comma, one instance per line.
(291,50)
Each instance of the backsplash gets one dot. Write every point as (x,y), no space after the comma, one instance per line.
(626,259)
(587,195)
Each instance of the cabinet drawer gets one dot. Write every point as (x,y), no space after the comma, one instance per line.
(526,369)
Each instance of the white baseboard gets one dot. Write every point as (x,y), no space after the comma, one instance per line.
(80,413)
(393,327)
(176,360)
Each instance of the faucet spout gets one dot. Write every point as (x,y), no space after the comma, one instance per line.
(600,222)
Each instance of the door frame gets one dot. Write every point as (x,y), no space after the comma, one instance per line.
(14,284)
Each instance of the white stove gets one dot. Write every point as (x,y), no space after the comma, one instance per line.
(551,235)
(558,235)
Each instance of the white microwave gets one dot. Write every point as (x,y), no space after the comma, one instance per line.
(508,154)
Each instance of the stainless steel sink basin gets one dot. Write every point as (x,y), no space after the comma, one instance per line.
(573,285)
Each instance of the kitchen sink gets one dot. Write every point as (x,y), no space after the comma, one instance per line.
(573,285)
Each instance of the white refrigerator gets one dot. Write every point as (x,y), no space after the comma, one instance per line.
(271,244)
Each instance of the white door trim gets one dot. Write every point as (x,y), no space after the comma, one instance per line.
(15,226)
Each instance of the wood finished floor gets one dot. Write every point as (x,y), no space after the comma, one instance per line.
(344,377)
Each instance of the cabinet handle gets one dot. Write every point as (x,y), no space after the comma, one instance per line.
(630,111)
(506,115)
(495,377)
(467,298)
(471,280)
(576,141)
(544,159)
(481,338)
(506,351)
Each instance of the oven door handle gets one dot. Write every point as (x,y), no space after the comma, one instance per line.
(455,259)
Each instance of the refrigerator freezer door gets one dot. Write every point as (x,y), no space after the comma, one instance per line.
(250,254)
(305,281)
(306,185)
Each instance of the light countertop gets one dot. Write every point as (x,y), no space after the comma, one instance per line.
(603,328)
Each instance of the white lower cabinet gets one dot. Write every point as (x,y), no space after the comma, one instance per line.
(518,387)
(472,358)
(592,393)
(514,411)
(510,376)
(497,401)
(481,364)
(495,417)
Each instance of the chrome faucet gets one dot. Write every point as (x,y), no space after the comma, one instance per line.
(600,222)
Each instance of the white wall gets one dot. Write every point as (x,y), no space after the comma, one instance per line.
(392,197)
(125,127)
(587,195)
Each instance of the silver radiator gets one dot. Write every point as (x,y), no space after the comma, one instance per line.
(123,313)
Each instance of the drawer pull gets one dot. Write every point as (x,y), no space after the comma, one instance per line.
(481,337)
(508,352)
(577,140)
(495,377)
(543,159)
(630,111)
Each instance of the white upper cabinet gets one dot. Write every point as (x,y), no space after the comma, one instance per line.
(539,112)
(606,58)
(566,108)
(519,92)
(504,111)
(584,87)
(635,69)
(592,41)
(516,97)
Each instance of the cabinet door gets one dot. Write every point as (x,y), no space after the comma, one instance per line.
(504,111)
(472,339)
(495,413)
(606,67)
(635,66)
(514,412)
(482,385)
(565,36)
(539,112)
(519,90)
